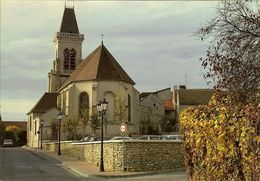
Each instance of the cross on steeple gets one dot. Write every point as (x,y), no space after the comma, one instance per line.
(102,36)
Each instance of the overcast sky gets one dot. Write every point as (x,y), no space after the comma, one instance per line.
(151,40)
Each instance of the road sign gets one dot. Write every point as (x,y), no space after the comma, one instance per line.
(123,127)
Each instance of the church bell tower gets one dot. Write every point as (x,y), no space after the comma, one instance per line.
(68,50)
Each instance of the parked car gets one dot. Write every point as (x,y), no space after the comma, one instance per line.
(87,139)
(176,137)
(151,137)
(121,138)
(8,142)
(99,138)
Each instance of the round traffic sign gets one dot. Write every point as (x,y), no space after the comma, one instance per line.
(123,127)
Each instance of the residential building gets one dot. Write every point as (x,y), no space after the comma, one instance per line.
(44,110)
(160,110)
(183,98)
(156,112)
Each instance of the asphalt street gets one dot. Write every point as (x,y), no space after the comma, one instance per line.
(23,165)
(18,164)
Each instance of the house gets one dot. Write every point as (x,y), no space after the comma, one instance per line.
(156,112)
(183,98)
(159,111)
(46,110)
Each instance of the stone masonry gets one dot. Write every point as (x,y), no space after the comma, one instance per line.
(138,155)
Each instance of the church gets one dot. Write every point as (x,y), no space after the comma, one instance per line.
(76,84)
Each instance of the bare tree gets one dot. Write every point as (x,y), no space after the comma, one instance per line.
(120,109)
(84,119)
(53,128)
(233,57)
(94,123)
(69,125)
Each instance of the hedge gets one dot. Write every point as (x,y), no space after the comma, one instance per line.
(221,140)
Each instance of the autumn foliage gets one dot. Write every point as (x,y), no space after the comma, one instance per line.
(232,61)
(221,141)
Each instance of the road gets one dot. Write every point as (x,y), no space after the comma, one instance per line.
(18,164)
(23,165)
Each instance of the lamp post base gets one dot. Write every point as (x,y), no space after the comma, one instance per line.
(101,166)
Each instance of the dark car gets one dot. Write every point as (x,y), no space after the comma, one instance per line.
(99,138)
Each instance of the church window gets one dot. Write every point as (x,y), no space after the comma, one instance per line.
(83,102)
(67,103)
(72,59)
(66,59)
(129,107)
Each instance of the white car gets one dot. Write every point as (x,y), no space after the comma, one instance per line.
(151,137)
(176,137)
(121,138)
(8,142)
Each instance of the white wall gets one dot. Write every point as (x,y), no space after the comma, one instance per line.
(98,90)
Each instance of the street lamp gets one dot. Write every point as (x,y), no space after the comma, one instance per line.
(101,108)
(59,118)
(41,122)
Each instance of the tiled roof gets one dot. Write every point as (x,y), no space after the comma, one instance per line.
(46,102)
(144,94)
(168,105)
(195,96)
(99,65)
(69,22)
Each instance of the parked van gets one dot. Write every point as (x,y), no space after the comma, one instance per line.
(151,137)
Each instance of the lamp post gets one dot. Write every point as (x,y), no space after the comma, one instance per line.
(41,122)
(59,118)
(101,108)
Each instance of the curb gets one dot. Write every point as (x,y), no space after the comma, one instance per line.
(75,172)
(131,175)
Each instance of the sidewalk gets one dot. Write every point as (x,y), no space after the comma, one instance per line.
(88,170)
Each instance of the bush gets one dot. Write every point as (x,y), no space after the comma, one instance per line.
(221,141)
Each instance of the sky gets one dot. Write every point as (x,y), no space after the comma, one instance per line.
(152,40)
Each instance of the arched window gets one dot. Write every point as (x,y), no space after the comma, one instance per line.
(72,59)
(66,59)
(83,103)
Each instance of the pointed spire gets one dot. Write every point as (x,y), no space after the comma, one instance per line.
(69,22)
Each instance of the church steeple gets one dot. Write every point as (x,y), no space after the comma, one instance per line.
(68,50)
(69,22)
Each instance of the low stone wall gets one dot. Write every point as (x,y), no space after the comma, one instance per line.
(153,156)
(138,155)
